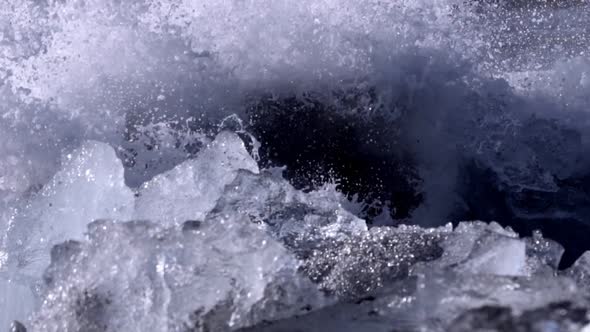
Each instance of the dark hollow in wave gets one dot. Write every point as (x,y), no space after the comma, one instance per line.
(319,143)
(487,199)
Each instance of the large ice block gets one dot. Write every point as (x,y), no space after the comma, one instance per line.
(191,189)
(90,186)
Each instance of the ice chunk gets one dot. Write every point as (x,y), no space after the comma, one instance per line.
(501,257)
(252,258)
(244,266)
(137,276)
(337,250)
(286,212)
(444,294)
(581,269)
(483,248)
(90,186)
(232,247)
(191,190)
(490,265)
(543,255)
(491,249)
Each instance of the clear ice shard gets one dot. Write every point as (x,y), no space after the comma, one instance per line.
(580,271)
(90,186)
(336,249)
(191,189)
(138,276)
(487,249)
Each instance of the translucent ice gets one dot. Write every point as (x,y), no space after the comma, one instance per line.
(258,250)
(89,187)
(447,294)
(486,249)
(191,190)
(581,269)
(337,250)
(137,276)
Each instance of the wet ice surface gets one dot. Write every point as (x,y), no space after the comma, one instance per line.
(182,166)
(90,186)
(263,252)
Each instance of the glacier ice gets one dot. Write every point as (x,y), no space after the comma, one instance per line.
(90,186)
(447,293)
(191,189)
(209,276)
(244,250)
